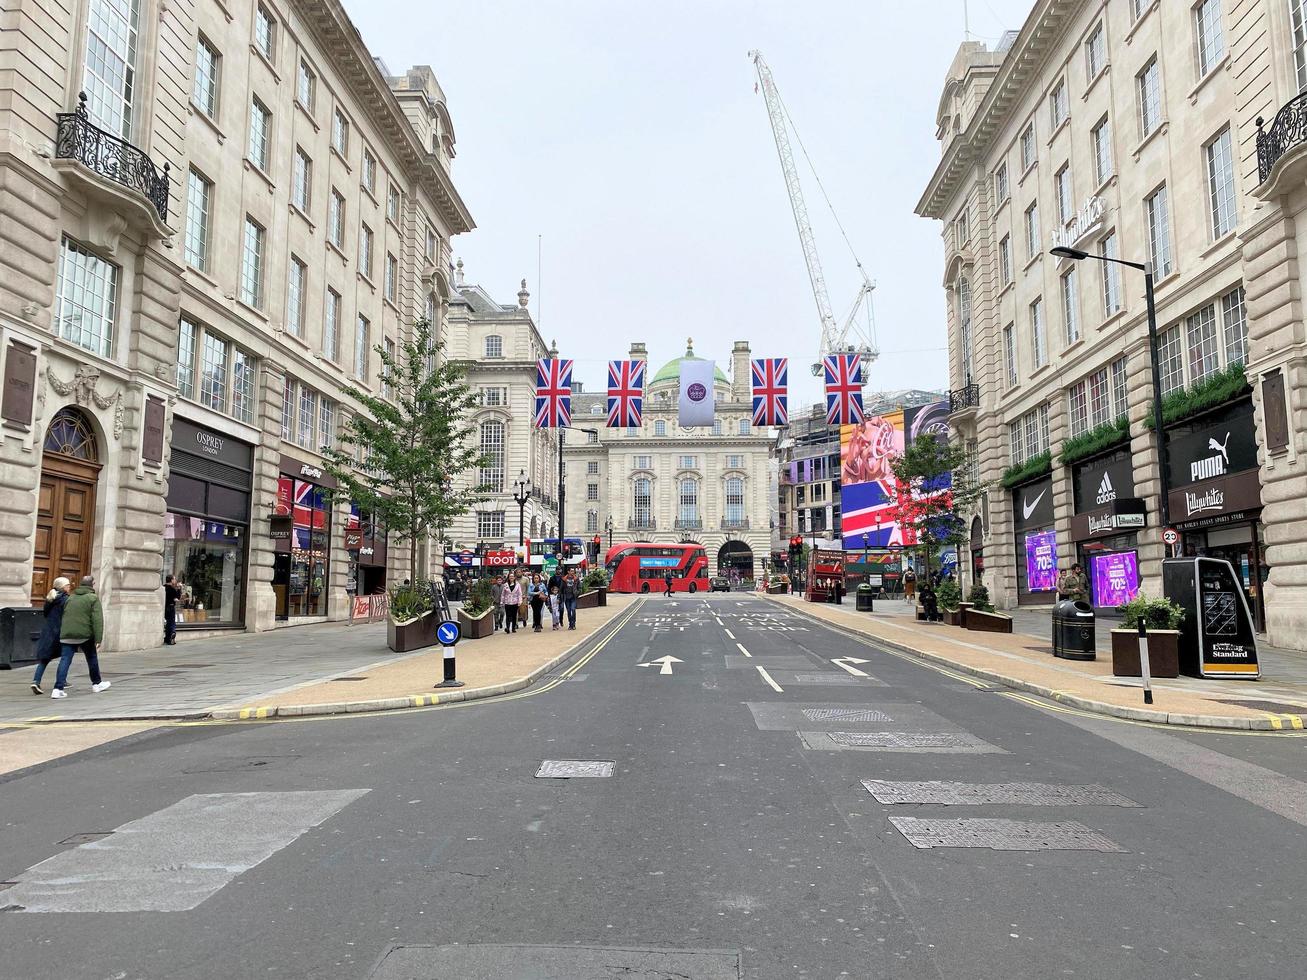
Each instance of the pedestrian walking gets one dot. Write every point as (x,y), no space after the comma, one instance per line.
(82,628)
(171,593)
(556,607)
(571,590)
(497,601)
(667,584)
(1073,584)
(47,645)
(538,597)
(511,599)
(909,583)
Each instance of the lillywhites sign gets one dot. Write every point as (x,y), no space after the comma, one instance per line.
(1101,525)
(1089,217)
(1196,503)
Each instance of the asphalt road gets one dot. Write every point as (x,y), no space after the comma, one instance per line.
(734,837)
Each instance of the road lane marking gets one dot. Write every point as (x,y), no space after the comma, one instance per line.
(846,663)
(768,678)
(729,633)
(744,651)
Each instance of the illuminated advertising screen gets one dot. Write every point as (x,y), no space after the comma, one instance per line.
(1041,561)
(1115,577)
(867,487)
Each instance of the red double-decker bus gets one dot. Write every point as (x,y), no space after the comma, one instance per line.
(641,567)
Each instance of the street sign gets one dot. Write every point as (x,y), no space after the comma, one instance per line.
(447,633)
(1171,535)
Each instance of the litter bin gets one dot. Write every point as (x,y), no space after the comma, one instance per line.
(1073,630)
(20,628)
(863,598)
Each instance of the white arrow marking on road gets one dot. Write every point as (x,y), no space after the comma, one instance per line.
(666,663)
(768,678)
(844,662)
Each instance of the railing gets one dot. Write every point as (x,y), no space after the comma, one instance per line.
(742,524)
(960,399)
(689,524)
(1287,131)
(111,157)
(641,524)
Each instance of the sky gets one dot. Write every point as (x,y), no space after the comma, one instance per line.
(623,144)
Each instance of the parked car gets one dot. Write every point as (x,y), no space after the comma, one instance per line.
(719,583)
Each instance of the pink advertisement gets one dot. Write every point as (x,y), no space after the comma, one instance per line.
(1115,578)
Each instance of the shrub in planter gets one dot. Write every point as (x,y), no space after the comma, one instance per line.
(475,618)
(1163,618)
(948,595)
(594,584)
(979,598)
(411,625)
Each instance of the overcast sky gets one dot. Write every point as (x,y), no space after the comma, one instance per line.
(629,136)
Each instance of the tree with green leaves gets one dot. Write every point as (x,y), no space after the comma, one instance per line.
(414,443)
(937,487)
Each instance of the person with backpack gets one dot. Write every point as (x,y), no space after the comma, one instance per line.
(47,646)
(82,628)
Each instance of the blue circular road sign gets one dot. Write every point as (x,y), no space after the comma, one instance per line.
(448,633)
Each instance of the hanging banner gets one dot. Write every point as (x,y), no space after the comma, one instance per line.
(1041,561)
(553,393)
(843,388)
(1115,578)
(696,401)
(770,391)
(625,393)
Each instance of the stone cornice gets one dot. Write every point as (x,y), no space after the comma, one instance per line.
(1038,38)
(336,33)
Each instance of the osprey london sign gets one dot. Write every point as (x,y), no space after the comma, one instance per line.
(1041,561)
(696,402)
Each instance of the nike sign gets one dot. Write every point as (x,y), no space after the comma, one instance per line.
(1028,507)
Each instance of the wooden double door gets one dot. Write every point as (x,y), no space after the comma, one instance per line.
(65,522)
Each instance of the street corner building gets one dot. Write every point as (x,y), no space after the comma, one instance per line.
(1163,133)
(211,216)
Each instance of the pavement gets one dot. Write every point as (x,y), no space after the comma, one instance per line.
(708,788)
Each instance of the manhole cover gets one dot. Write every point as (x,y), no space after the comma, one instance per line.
(572,769)
(904,740)
(86,838)
(825,677)
(977,794)
(845,714)
(1003,835)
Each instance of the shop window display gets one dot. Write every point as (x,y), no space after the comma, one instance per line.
(208,558)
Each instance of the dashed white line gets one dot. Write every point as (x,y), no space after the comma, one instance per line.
(768,678)
(742,650)
(729,633)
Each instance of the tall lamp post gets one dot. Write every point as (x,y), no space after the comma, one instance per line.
(562,486)
(608,526)
(521,494)
(1164,481)
(865,570)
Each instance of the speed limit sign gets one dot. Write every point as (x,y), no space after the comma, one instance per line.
(1170,535)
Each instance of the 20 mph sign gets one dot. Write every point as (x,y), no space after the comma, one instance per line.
(1170,535)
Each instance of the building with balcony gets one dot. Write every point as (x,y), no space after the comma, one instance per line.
(663,483)
(1129,131)
(211,216)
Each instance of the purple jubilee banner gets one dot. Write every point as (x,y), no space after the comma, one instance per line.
(1115,578)
(1041,561)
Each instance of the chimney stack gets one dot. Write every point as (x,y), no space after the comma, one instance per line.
(741,377)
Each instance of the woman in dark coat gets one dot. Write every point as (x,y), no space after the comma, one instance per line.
(47,647)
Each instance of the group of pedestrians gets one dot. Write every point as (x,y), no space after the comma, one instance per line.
(514,593)
(74,620)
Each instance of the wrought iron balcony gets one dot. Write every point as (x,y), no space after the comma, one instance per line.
(111,158)
(641,524)
(1288,130)
(690,524)
(740,524)
(961,399)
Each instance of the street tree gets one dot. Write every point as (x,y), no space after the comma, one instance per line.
(937,487)
(402,453)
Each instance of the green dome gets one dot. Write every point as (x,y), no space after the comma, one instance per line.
(671,371)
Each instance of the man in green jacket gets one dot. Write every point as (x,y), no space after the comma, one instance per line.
(83,626)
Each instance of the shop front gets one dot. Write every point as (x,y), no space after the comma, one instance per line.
(1216,495)
(1036,542)
(301,538)
(1105,527)
(206,526)
(365,542)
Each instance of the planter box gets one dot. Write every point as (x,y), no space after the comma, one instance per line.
(403,637)
(986,622)
(952,616)
(776,590)
(1163,653)
(476,628)
(588,600)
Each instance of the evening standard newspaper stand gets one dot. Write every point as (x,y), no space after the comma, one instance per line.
(1216,635)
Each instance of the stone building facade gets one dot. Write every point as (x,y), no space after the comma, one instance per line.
(210,214)
(1128,130)
(663,483)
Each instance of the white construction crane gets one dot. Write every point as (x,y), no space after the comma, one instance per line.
(834,337)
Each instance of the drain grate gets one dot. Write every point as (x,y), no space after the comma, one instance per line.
(573,769)
(824,677)
(905,740)
(977,794)
(85,838)
(1003,835)
(845,714)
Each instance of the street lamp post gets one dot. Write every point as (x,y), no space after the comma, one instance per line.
(865,570)
(608,526)
(1164,481)
(521,494)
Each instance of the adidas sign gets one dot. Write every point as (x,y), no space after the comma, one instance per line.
(1106,492)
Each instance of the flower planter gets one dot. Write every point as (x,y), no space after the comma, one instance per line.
(476,627)
(412,635)
(588,600)
(953,616)
(986,622)
(780,589)
(1163,653)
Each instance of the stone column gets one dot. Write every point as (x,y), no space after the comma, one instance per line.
(260,600)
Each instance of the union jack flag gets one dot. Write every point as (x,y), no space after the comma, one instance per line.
(771,378)
(625,393)
(843,389)
(553,393)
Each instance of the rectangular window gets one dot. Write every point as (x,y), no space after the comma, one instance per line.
(336,219)
(1057,105)
(1148,85)
(110,67)
(392,278)
(1100,398)
(301,182)
(1001,191)
(340,133)
(243,367)
(308,416)
(490,524)
(1078,408)
(1028,147)
(1137,8)
(386,389)
(1062,188)
(265,32)
(1032,231)
(735,462)
(392,203)
(1010,353)
(1071,306)
(252,264)
(1298,21)
(214,356)
(1170,355)
(369,174)
(186,334)
(1095,52)
(962,229)
(1005,259)
(296,284)
(288,410)
(494,345)
(746,426)
(592,468)
(430,246)
(642,463)
(327,425)
(1159,232)
(688,462)
(1038,343)
(362,348)
(592,491)
(331,327)
(204,93)
(199,200)
(260,134)
(1204,352)
(1120,396)
(1102,140)
(1211,35)
(365,250)
(1220,184)
(1236,326)
(306,86)
(1111,275)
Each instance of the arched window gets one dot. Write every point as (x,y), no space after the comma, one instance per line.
(591,521)
(964,325)
(492,448)
(494,345)
(642,502)
(689,502)
(660,427)
(70,434)
(735,500)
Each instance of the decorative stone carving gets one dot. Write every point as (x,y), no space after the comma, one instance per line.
(83,389)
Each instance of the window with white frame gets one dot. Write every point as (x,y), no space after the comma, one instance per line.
(592,491)
(226,372)
(301,181)
(214,356)
(688,462)
(340,132)
(326,423)
(1101,137)
(1005,260)
(1038,342)
(1028,434)
(1210,339)
(592,437)
(265,32)
(492,449)
(429,248)
(1062,191)
(308,414)
(746,427)
(362,347)
(1298,22)
(1078,408)
(1028,154)
(1159,231)
(493,397)
(1098,398)
(1071,305)
(1148,85)
(1111,273)
(1095,52)
(204,91)
(494,345)
(1032,231)
(1210,35)
(1057,105)
(306,85)
(386,387)
(1220,184)
(365,251)
(962,229)
(642,501)
(734,500)
(734,462)
(1010,353)
(392,203)
(660,427)
(1203,343)
(260,150)
(1235,320)
(688,501)
(642,463)
(336,219)
(391,286)
(1137,8)
(591,522)
(199,203)
(187,335)
(1170,356)
(964,324)
(1001,189)
(592,468)
(297,281)
(109,77)
(368,174)
(331,327)
(490,524)
(716,427)
(252,258)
